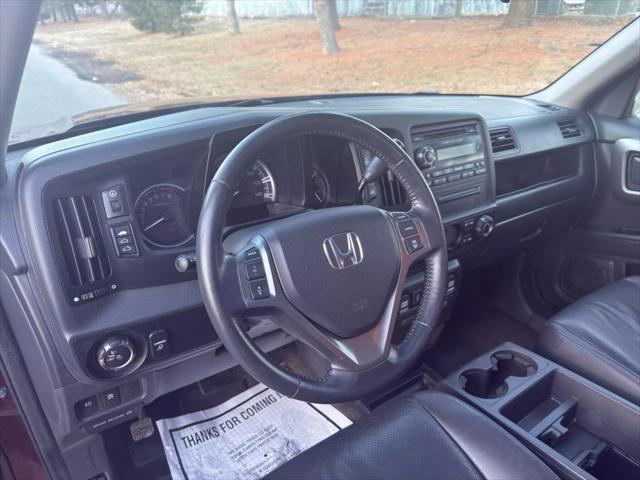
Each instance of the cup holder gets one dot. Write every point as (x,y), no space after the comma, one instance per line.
(492,382)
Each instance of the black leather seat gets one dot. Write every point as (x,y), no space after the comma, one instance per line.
(428,435)
(598,337)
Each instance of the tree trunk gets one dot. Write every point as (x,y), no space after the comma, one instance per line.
(333,15)
(104,11)
(232,18)
(71,11)
(458,8)
(520,14)
(328,34)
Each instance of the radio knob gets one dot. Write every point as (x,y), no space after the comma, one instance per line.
(426,157)
(116,353)
(484,226)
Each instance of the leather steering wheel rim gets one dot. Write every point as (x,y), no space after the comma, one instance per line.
(224,289)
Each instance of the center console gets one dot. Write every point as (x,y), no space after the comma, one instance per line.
(580,429)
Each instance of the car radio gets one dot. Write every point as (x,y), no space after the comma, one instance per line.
(449,155)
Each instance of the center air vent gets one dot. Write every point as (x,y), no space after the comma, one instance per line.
(391,190)
(80,240)
(502,139)
(569,129)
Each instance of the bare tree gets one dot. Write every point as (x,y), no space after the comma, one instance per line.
(104,11)
(333,15)
(520,14)
(232,18)
(328,34)
(458,13)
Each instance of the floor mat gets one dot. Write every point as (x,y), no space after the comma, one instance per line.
(246,437)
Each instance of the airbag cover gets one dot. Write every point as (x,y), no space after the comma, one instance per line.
(347,300)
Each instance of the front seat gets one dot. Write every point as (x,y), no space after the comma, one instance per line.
(428,435)
(598,336)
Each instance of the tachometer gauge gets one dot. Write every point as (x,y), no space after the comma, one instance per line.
(256,188)
(160,211)
(318,188)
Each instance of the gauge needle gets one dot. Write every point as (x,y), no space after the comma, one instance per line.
(160,220)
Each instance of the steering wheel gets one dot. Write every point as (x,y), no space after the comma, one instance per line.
(332,278)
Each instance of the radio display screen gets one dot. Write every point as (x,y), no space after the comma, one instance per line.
(456,151)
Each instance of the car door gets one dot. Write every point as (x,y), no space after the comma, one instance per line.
(604,245)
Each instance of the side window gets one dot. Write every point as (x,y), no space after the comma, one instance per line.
(635,109)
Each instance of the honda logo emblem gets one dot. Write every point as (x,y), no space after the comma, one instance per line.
(343,250)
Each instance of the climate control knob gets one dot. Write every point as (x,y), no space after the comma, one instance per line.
(484,226)
(426,157)
(116,353)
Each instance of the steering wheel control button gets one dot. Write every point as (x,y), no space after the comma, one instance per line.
(259,290)
(114,201)
(87,407)
(255,270)
(413,244)
(116,353)
(111,398)
(408,228)
(159,344)
(252,254)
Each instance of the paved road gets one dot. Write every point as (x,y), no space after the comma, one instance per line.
(50,94)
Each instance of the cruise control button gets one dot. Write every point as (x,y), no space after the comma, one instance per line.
(408,228)
(255,270)
(413,244)
(259,289)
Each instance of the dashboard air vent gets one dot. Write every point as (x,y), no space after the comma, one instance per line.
(569,129)
(502,139)
(80,240)
(391,191)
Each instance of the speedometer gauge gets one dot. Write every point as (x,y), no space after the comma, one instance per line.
(160,210)
(257,187)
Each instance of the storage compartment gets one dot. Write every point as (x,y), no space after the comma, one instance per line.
(593,430)
(492,382)
(517,174)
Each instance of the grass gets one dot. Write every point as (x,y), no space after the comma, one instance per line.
(284,56)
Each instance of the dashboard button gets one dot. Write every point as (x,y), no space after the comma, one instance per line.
(111,398)
(255,270)
(122,231)
(252,254)
(159,344)
(413,244)
(469,166)
(127,249)
(439,181)
(114,201)
(480,171)
(458,168)
(437,173)
(407,229)
(124,240)
(467,174)
(259,289)
(453,178)
(88,406)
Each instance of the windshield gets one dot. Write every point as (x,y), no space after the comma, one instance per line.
(132,55)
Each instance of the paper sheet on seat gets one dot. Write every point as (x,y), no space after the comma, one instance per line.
(246,437)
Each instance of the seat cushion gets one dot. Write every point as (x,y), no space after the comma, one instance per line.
(428,435)
(598,337)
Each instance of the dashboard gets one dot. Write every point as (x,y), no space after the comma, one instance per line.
(96,226)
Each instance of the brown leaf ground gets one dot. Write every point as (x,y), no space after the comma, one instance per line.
(284,56)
